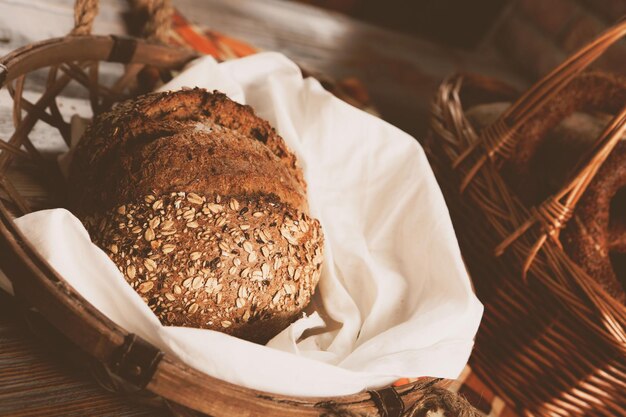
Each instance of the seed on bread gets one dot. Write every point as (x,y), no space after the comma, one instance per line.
(204,250)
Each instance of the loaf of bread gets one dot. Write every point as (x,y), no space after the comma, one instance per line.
(203,208)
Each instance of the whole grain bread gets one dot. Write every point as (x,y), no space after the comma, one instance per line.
(203,208)
(135,123)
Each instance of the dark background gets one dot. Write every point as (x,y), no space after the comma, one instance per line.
(535,35)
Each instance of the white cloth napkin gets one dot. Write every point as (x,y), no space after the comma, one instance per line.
(394,294)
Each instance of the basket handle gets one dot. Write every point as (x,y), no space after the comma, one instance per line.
(554,213)
(499,139)
(157,27)
(591,92)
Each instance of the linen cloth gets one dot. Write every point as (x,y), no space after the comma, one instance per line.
(394,299)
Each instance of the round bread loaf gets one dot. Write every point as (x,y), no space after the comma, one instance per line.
(203,208)
(596,236)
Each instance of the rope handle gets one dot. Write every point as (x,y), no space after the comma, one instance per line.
(157,27)
(499,141)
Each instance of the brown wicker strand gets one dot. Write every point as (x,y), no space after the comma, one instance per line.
(55,112)
(17,92)
(89,81)
(497,140)
(20,137)
(51,119)
(127,78)
(94,87)
(22,205)
(9,147)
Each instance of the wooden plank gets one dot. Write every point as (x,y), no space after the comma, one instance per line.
(38,376)
(400,72)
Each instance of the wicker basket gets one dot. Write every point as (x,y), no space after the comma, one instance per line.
(552,341)
(125,361)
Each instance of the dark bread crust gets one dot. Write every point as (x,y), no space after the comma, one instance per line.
(157,115)
(203,209)
(199,158)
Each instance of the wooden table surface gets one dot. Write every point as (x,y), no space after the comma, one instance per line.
(401,74)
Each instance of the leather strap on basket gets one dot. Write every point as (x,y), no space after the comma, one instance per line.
(123,49)
(388,402)
(440,401)
(434,399)
(157,27)
(136,361)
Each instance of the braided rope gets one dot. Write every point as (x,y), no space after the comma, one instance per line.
(159,13)
(85,12)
